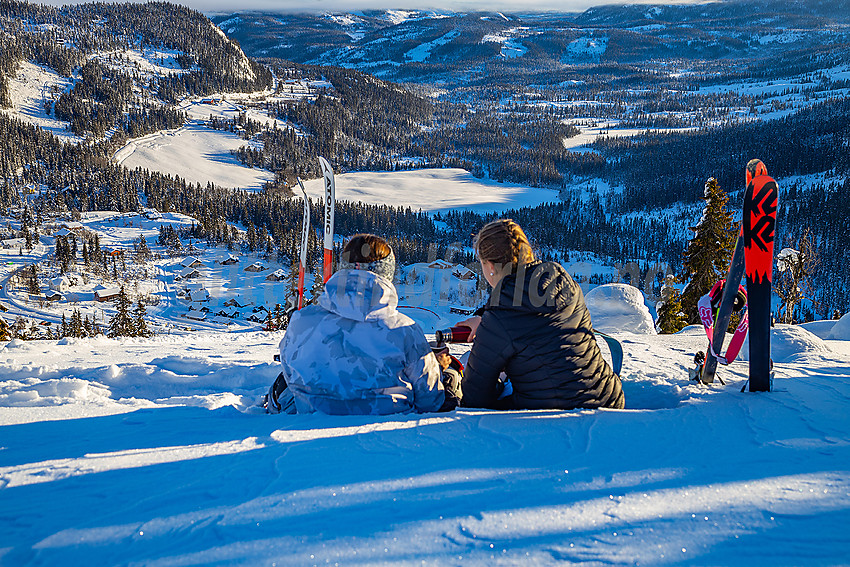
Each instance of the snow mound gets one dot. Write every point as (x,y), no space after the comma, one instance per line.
(841,329)
(616,308)
(788,341)
(820,328)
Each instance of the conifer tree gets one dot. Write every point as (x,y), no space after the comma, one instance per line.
(139,313)
(270,322)
(122,324)
(32,282)
(671,319)
(75,328)
(318,284)
(5,335)
(706,259)
(280,318)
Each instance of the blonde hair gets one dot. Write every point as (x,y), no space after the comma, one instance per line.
(504,243)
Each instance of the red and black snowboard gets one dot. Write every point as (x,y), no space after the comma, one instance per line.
(758,228)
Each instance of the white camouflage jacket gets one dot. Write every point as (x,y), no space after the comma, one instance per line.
(354,353)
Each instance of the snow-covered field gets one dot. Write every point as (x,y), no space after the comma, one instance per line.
(148,451)
(195,153)
(592,130)
(433,190)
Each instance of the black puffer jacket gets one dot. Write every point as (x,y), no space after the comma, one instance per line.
(540,335)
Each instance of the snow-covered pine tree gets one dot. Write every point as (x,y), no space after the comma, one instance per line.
(141,326)
(707,257)
(89,327)
(671,319)
(122,324)
(75,327)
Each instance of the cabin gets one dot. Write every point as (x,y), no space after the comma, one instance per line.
(440,265)
(230,260)
(276,276)
(106,294)
(60,284)
(463,273)
(256,267)
(53,295)
(230,312)
(196,315)
(233,302)
(191,262)
(63,232)
(73,226)
(197,293)
(188,274)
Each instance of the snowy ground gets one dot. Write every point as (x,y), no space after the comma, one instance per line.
(195,153)
(148,452)
(433,190)
(29,88)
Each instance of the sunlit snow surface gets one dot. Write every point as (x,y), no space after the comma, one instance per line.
(29,88)
(149,452)
(194,153)
(433,190)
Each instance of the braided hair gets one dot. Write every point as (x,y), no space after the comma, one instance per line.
(504,243)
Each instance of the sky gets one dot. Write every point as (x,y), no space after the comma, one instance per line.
(229,6)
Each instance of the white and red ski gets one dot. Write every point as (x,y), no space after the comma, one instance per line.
(305,234)
(330,201)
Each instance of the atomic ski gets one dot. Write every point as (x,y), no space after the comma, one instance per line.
(305,233)
(330,201)
(759,224)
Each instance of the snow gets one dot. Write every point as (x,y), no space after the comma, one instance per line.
(422,52)
(786,258)
(432,190)
(618,307)
(29,88)
(194,153)
(511,47)
(820,329)
(788,342)
(593,47)
(147,451)
(841,330)
(592,130)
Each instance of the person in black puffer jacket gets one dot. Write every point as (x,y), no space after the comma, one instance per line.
(536,329)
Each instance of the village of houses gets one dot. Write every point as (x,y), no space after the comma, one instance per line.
(196,287)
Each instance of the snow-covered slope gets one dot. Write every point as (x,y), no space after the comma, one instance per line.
(146,452)
(196,154)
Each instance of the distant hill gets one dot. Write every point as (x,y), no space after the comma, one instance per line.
(476,47)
